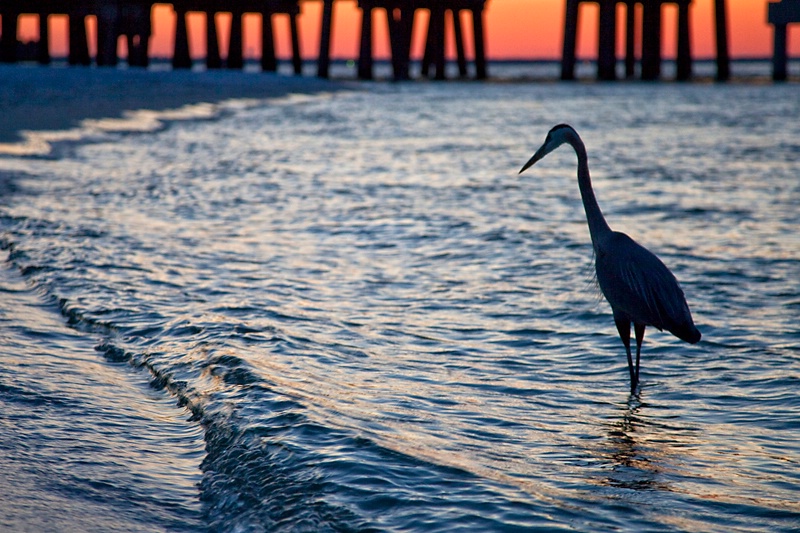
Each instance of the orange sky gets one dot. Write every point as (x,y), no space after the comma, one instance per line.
(514,29)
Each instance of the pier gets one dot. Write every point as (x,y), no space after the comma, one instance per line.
(237,9)
(400,16)
(130,19)
(651,39)
(607,32)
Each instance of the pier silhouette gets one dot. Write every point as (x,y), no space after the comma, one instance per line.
(131,19)
(651,39)
(237,9)
(400,17)
(780,15)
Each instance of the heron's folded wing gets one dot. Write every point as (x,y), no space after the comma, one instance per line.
(638,283)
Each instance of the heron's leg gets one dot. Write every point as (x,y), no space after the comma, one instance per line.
(624,329)
(639,332)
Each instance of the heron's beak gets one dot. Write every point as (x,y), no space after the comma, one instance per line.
(540,153)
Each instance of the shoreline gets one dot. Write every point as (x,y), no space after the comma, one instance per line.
(41,104)
(54,98)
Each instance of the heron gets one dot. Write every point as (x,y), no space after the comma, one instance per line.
(639,287)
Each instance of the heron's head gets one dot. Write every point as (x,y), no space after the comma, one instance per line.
(555,138)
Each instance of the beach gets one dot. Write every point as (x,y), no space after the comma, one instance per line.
(35,98)
(286,304)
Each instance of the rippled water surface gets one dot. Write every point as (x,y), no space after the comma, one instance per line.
(375,324)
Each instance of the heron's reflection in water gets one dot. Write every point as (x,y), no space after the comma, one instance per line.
(638,458)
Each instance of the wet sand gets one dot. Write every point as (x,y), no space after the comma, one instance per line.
(35,98)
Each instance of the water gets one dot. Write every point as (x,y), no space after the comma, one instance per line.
(347,312)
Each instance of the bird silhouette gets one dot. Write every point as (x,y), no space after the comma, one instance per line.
(640,289)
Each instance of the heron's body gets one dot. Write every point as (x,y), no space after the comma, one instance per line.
(640,288)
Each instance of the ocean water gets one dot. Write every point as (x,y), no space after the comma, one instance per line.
(348,312)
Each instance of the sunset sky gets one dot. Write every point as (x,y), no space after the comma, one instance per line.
(513,28)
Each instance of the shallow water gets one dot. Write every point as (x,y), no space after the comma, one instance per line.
(376,324)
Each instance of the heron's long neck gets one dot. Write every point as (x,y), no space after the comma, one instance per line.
(597,223)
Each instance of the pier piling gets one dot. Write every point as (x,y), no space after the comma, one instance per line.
(606,53)
(180,55)
(721,25)
(42,50)
(684,59)
(8,37)
(269,62)
(235,59)
(780,14)
(651,41)
(213,59)
(78,47)
(326,32)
